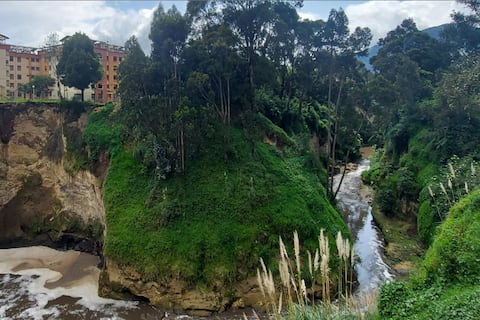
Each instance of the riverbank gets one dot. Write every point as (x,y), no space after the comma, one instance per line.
(403,250)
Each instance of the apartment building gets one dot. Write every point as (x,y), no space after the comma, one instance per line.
(110,57)
(19,64)
(4,70)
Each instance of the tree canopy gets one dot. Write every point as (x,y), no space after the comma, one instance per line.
(79,66)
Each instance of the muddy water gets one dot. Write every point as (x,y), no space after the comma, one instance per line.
(354,200)
(43,283)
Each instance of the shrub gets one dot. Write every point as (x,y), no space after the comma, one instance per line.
(426,222)
(391,301)
(454,254)
(386,199)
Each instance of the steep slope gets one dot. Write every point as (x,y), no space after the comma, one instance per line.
(40,202)
(194,241)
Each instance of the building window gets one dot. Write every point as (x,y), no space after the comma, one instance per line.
(115,87)
(120,59)
(115,68)
(100,86)
(37,59)
(19,68)
(19,77)
(108,67)
(19,59)
(93,96)
(11,68)
(115,77)
(37,68)
(11,76)
(12,85)
(33,59)
(115,58)
(11,59)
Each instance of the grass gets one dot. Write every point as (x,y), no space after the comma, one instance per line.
(211,225)
(304,291)
(447,285)
(403,249)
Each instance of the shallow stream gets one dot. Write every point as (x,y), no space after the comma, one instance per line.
(354,200)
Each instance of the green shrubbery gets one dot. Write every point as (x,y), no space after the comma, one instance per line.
(448,285)
(454,256)
(212,223)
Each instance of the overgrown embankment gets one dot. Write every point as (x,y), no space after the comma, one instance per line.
(202,232)
(447,285)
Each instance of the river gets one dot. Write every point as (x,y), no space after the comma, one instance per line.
(43,283)
(354,201)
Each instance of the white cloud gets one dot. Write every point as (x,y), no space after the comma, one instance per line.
(29,22)
(309,16)
(383,16)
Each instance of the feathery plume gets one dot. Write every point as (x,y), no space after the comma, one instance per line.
(316,261)
(452,170)
(260,282)
(310,263)
(443,188)
(296,245)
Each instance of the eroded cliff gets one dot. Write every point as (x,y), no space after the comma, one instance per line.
(40,202)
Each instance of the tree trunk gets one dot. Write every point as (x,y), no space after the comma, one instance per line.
(334,137)
(82,90)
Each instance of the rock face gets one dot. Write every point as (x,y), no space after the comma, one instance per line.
(40,203)
(117,280)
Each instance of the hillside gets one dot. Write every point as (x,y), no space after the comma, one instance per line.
(203,232)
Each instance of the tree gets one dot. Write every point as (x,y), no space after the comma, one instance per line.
(168,32)
(42,85)
(463,35)
(338,48)
(79,66)
(24,89)
(132,72)
(249,19)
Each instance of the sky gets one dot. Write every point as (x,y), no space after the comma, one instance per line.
(29,23)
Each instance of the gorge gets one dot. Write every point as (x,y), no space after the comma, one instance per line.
(46,205)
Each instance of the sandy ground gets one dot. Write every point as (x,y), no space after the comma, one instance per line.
(367,152)
(70,267)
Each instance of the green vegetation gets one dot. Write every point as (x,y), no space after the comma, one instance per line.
(447,285)
(79,66)
(305,284)
(214,222)
(229,135)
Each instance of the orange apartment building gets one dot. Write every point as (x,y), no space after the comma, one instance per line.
(19,64)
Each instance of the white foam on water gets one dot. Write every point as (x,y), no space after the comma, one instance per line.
(35,266)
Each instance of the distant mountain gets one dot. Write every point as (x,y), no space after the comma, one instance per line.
(433,32)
